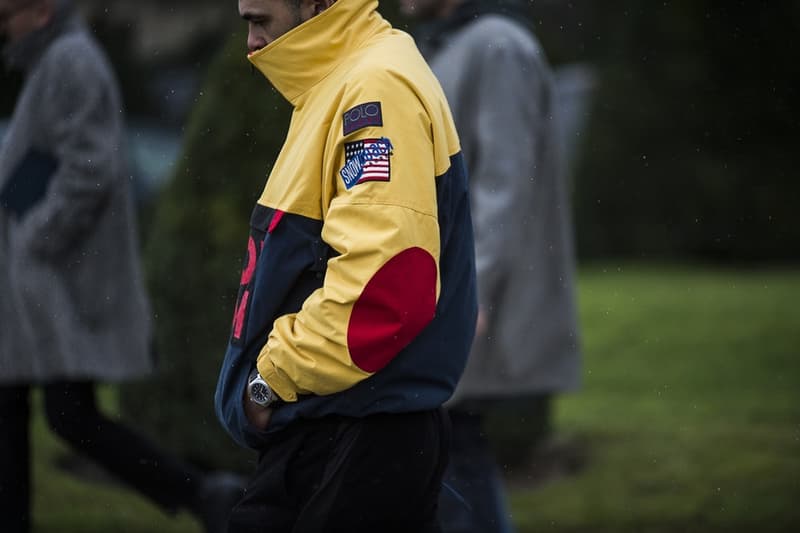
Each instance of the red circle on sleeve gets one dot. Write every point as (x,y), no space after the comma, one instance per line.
(394,307)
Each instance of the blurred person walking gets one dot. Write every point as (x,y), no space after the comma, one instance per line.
(74,309)
(501,91)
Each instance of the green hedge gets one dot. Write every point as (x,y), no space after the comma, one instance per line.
(690,152)
(194,245)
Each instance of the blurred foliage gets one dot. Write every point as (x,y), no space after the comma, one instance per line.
(690,150)
(193,250)
(694,120)
(156,86)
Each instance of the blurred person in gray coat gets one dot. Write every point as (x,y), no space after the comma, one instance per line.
(501,92)
(74,309)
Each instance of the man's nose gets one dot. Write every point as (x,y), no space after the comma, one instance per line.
(254,41)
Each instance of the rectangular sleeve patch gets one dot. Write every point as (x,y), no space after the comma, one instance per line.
(366,160)
(361,116)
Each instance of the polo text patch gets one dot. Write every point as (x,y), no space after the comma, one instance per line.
(361,116)
(366,160)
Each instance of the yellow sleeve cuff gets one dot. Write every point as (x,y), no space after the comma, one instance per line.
(279,383)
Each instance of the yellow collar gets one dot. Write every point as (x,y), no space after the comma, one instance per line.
(303,56)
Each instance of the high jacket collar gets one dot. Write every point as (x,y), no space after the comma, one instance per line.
(298,60)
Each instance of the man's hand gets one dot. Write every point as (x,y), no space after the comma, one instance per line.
(257,416)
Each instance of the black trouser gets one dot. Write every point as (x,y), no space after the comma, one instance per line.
(72,414)
(380,473)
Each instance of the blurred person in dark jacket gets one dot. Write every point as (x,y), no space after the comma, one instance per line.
(74,309)
(501,91)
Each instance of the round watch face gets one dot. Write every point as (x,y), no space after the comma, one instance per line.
(259,393)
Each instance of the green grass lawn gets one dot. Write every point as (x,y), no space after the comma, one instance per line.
(689,416)
(690,409)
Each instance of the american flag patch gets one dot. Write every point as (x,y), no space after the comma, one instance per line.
(366,160)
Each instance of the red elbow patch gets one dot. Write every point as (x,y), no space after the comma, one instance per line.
(395,306)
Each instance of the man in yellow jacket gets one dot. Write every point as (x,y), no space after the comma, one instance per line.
(357,300)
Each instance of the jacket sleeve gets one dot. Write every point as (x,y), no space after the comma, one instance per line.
(504,126)
(85,134)
(381,288)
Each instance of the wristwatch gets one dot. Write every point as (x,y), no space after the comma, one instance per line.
(259,390)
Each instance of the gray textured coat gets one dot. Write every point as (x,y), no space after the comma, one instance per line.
(71,295)
(500,89)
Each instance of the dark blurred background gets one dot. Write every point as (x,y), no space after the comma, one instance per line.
(683,133)
(692,121)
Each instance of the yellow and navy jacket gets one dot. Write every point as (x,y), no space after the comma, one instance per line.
(357,294)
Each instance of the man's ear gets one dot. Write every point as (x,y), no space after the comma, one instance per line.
(315,7)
